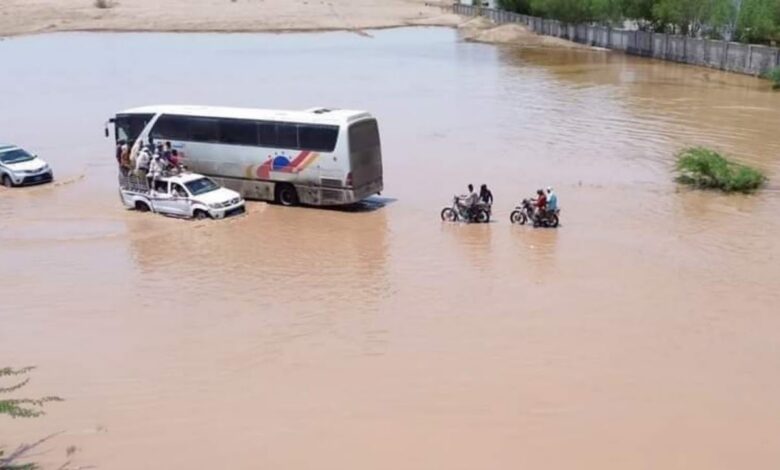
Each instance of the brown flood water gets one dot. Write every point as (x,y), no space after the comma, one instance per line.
(643,334)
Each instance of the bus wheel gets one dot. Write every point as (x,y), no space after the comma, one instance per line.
(286,195)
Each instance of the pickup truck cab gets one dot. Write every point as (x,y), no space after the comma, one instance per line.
(20,168)
(186,195)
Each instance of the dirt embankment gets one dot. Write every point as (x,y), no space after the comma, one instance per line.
(36,16)
(481,29)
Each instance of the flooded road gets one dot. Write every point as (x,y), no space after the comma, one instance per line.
(642,334)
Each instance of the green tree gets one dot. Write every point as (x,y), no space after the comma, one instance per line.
(568,11)
(758,20)
(687,17)
(517,6)
(607,11)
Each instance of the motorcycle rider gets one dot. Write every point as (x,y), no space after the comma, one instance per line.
(468,202)
(540,203)
(485,196)
(552,200)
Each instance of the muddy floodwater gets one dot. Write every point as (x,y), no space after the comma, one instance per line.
(642,334)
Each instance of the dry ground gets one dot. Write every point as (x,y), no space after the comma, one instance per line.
(35,16)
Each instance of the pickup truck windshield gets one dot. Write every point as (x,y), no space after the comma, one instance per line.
(201,186)
(15,156)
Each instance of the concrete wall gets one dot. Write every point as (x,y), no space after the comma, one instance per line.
(730,56)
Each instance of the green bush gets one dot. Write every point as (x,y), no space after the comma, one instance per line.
(705,168)
(774,75)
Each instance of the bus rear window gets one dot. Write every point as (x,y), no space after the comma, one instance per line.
(363,136)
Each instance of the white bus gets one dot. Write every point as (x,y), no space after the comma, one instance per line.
(318,157)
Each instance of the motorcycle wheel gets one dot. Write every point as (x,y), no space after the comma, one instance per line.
(517,217)
(448,215)
(482,216)
(552,221)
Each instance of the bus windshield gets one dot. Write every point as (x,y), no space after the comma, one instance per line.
(130,126)
(201,186)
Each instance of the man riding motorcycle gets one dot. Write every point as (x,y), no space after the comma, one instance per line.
(552,200)
(540,203)
(466,203)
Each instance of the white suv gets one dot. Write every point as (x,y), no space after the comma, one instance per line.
(18,167)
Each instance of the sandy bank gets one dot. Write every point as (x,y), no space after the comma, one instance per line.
(36,16)
(481,29)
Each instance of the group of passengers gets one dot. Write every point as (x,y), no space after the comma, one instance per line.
(148,159)
(545,202)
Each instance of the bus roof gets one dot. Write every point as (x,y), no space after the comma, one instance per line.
(313,115)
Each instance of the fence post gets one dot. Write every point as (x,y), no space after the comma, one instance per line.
(666,46)
(749,58)
(725,57)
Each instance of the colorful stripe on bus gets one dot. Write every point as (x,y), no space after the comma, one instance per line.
(281,163)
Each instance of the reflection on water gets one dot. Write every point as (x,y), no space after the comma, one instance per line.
(426,345)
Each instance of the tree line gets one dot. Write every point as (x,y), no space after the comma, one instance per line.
(753,21)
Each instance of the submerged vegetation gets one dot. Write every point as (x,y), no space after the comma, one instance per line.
(707,169)
(20,408)
(754,21)
(774,75)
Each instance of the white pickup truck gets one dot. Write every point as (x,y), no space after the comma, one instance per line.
(187,195)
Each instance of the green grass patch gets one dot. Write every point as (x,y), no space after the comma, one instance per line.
(707,169)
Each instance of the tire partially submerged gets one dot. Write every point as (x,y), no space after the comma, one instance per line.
(448,215)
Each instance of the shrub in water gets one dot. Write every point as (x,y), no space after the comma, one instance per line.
(774,75)
(705,168)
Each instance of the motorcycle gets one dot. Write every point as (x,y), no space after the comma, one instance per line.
(525,212)
(480,213)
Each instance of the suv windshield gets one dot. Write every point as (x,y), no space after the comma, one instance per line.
(201,186)
(15,156)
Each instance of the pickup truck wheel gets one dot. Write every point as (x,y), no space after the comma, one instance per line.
(7,181)
(286,195)
(200,215)
(141,206)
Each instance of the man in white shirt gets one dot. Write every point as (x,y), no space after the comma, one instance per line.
(142,162)
(469,201)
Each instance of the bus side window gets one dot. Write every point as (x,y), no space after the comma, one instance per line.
(288,135)
(171,127)
(266,133)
